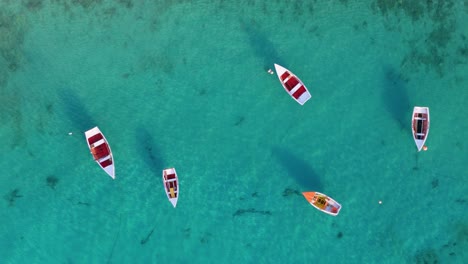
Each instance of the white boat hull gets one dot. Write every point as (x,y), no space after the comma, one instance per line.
(292,85)
(96,140)
(323,202)
(171,185)
(420,125)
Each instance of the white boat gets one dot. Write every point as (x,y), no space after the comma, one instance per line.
(101,150)
(420,125)
(293,85)
(323,202)
(171,185)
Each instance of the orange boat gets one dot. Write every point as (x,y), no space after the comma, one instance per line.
(323,202)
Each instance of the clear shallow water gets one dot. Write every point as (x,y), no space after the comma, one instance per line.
(184,84)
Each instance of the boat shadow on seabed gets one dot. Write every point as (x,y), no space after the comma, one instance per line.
(261,45)
(302,172)
(149,151)
(76,111)
(395,96)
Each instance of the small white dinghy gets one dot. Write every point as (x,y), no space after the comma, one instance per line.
(171,185)
(101,150)
(420,125)
(293,85)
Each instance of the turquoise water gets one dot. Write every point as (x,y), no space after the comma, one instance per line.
(184,84)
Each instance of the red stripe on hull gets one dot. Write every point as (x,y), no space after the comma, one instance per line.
(95,138)
(285,75)
(106,163)
(291,83)
(299,92)
(100,151)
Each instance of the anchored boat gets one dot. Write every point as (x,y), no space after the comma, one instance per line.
(293,85)
(101,150)
(420,125)
(171,185)
(323,202)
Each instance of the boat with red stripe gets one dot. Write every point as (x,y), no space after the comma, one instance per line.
(171,185)
(100,150)
(293,85)
(420,125)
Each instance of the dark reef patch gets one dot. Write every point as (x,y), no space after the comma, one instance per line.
(344,2)
(339,235)
(186,232)
(151,63)
(12,31)
(205,238)
(86,4)
(33,5)
(202,92)
(240,120)
(429,50)
(435,183)
(126,3)
(290,191)
(52,181)
(148,236)
(50,108)
(12,196)
(413,9)
(240,212)
(428,256)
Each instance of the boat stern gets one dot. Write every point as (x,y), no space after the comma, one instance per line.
(304,98)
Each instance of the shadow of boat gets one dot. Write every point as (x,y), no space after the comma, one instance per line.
(395,96)
(262,46)
(76,111)
(297,168)
(149,151)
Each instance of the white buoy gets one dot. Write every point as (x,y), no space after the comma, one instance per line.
(70,133)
